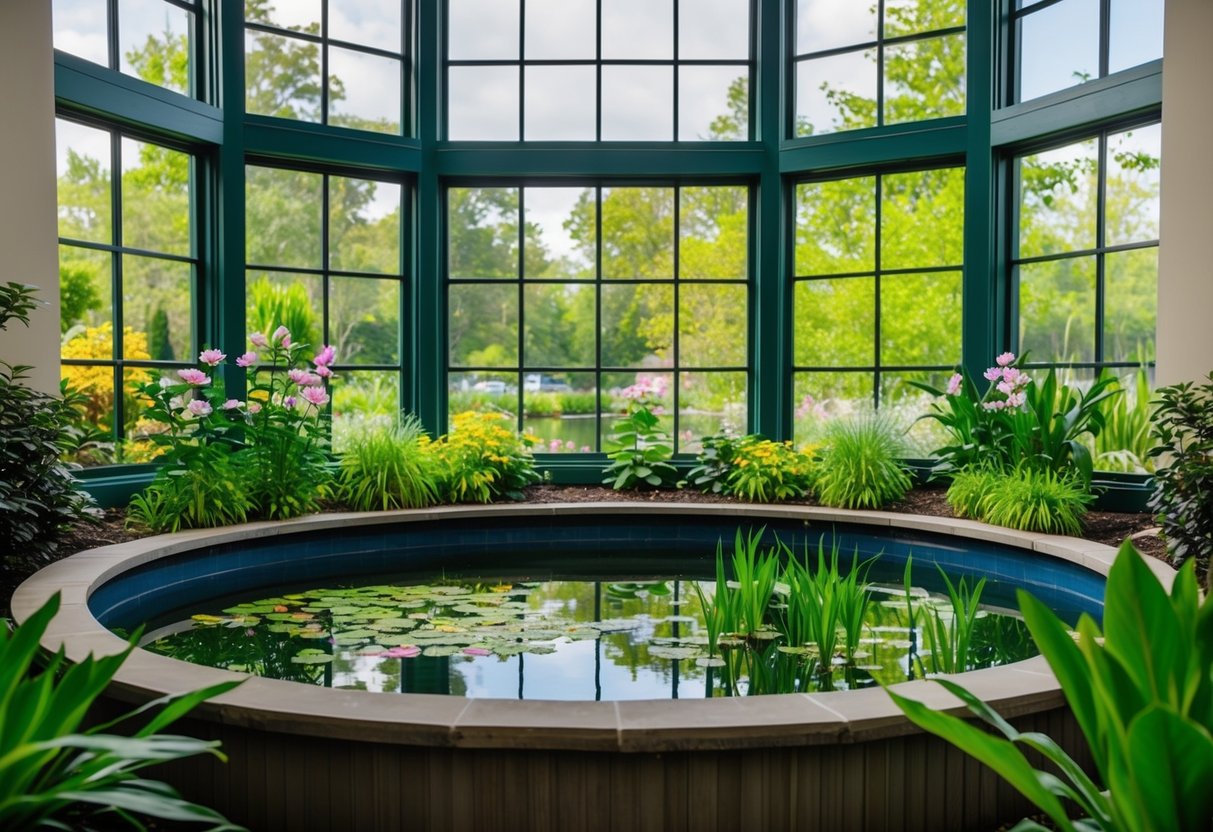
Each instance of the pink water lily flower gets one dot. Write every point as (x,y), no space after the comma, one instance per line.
(477,651)
(258,339)
(315,395)
(247,360)
(192,376)
(406,651)
(954,384)
(211,357)
(199,407)
(1006,359)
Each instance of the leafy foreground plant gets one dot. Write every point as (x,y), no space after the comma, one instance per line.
(639,448)
(52,774)
(1142,693)
(861,465)
(388,468)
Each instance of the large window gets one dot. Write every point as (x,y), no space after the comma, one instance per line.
(338,62)
(609,70)
(128,271)
(565,301)
(877,290)
(1061,43)
(149,39)
(325,259)
(868,64)
(1086,255)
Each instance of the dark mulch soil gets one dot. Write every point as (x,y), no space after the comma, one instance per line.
(1111,528)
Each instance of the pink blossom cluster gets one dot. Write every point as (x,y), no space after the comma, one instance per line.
(1008,380)
(646,387)
(810,407)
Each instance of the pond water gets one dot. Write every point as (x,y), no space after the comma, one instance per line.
(632,637)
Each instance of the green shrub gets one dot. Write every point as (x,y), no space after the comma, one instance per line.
(1183,486)
(1035,500)
(39,497)
(56,775)
(763,471)
(861,465)
(715,461)
(388,468)
(969,489)
(481,460)
(1142,695)
(200,491)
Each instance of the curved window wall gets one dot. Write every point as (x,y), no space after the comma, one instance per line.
(543,203)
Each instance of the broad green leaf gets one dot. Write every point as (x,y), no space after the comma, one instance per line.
(1172,772)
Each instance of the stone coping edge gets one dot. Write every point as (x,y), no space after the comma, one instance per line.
(442,721)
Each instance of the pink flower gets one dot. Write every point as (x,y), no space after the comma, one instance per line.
(1006,387)
(232,404)
(199,407)
(1016,399)
(303,378)
(247,360)
(992,374)
(286,340)
(555,445)
(477,651)
(259,340)
(314,395)
(954,384)
(570,445)
(254,407)
(658,410)
(192,376)
(585,449)
(325,356)
(1012,375)
(289,401)
(323,371)
(995,405)
(280,333)
(211,357)
(1005,359)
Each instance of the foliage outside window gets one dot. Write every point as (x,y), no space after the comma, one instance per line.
(598,70)
(1086,252)
(150,39)
(1063,43)
(325,260)
(128,271)
(877,291)
(565,303)
(338,63)
(870,64)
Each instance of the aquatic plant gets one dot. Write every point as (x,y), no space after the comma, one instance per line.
(56,774)
(1144,705)
(823,603)
(388,467)
(948,638)
(861,465)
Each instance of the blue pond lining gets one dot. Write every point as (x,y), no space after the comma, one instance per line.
(604,546)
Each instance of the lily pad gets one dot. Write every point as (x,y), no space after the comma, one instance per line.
(311,656)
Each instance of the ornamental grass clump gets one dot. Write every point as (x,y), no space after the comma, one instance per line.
(482,459)
(861,464)
(385,468)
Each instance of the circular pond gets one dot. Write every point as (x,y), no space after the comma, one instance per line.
(843,759)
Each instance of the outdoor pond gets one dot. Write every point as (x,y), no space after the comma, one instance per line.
(633,637)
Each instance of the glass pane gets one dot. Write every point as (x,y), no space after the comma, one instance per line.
(95,381)
(920,319)
(637,103)
(836,226)
(637,325)
(157,308)
(638,232)
(1133,185)
(559,410)
(638,29)
(367,22)
(712,323)
(830,24)
(835,322)
(561,233)
(482,232)
(364,320)
(483,325)
(482,103)
(713,103)
(154,43)
(903,404)
(820,397)
(713,227)
(81,28)
(361,400)
(714,30)
(559,325)
(561,103)
(495,392)
(652,388)
(922,221)
(1135,35)
(1130,305)
(155,198)
(1057,200)
(85,288)
(283,217)
(364,91)
(483,29)
(1058,47)
(85,196)
(836,93)
(561,29)
(302,15)
(910,17)
(1057,310)
(364,225)
(138,447)
(281,76)
(710,403)
(295,301)
(924,79)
